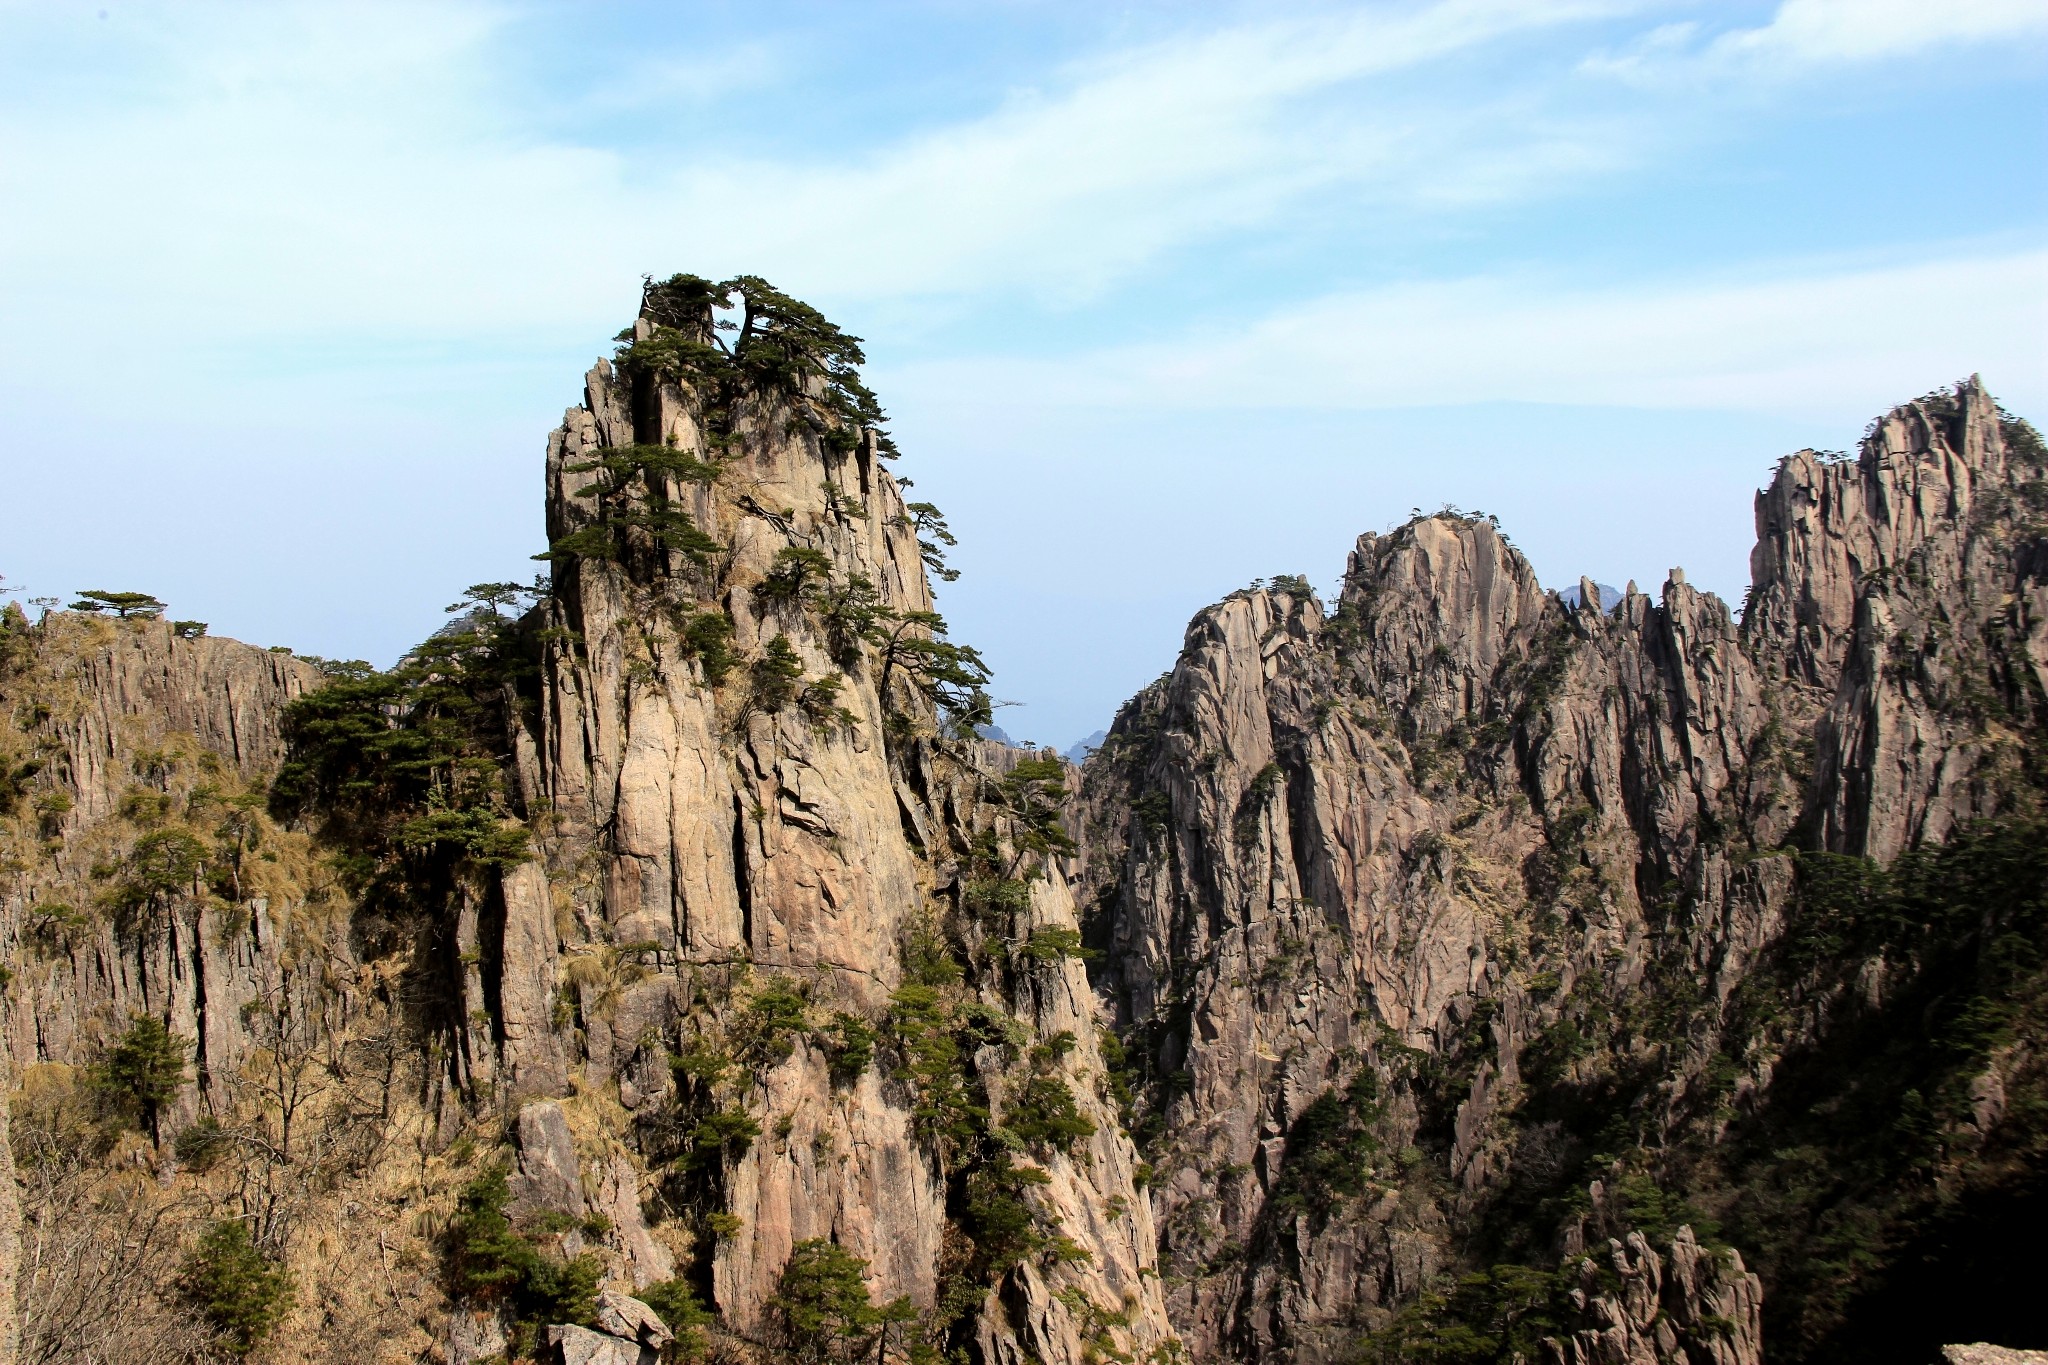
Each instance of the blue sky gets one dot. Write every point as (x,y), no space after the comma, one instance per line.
(1161,297)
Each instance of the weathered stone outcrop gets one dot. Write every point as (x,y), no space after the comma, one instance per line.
(628,1333)
(1406,845)
(108,711)
(1446,935)
(1903,592)
(1983,1353)
(1692,1306)
(715,835)
(735,790)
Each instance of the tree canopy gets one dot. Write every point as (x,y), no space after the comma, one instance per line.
(126,605)
(779,345)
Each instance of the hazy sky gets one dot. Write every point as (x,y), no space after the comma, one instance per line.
(1161,297)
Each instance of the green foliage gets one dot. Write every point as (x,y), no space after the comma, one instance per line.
(1033,795)
(144,1070)
(202,1144)
(778,681)
(1054,944)
(927,960)
(995,899)
(721,1134)
(164,863)
(766,1031)
(126,605)
(2023,444)
(14,629)
(486,1260)
(1496,1315)
(1118,1073)
(1867,1151)
(238,1290)
(1330,1150)
(819,701)
(702,1064)
(677,1304)
(405,769)
(849,1046)
(998,1216)
(822,1308)
(1153,812)
(778,675)
(14,782)
(929,523)
(780,347)
(708,635)
(920,1027)
(634,506)
(950,676)
(1045,1114)
(798,575)
(188,630)
(52,927)
(1054,1049)
(1251,807)
(1544,671)
(650,465)
(852,615)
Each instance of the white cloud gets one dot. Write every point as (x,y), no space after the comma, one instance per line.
(1065,191)
(364,172)
(1859,30)
(1831,343)
(1804,34)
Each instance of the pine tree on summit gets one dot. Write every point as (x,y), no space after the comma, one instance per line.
(126,605)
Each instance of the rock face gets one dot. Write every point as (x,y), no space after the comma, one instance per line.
(569,1344)
(114,703)
(739,750)
(1417,977)
(1694,1306)
(1981,1353)
(1367,882)
(730,841)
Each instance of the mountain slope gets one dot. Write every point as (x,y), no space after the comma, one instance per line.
(1518,926)
(667,936)
(1461,974)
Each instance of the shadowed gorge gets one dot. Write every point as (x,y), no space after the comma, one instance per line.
(657,964)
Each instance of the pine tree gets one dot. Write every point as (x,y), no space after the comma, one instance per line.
(145,1069)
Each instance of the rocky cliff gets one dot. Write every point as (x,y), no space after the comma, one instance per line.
(656,964)
(674,934)
(739,848)
(1424,915)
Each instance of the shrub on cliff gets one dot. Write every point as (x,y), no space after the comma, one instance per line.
(240,1292)
(401,769)
(677,1304)
(144,1070)
(487,1260)
(780,346)
(823,1311)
